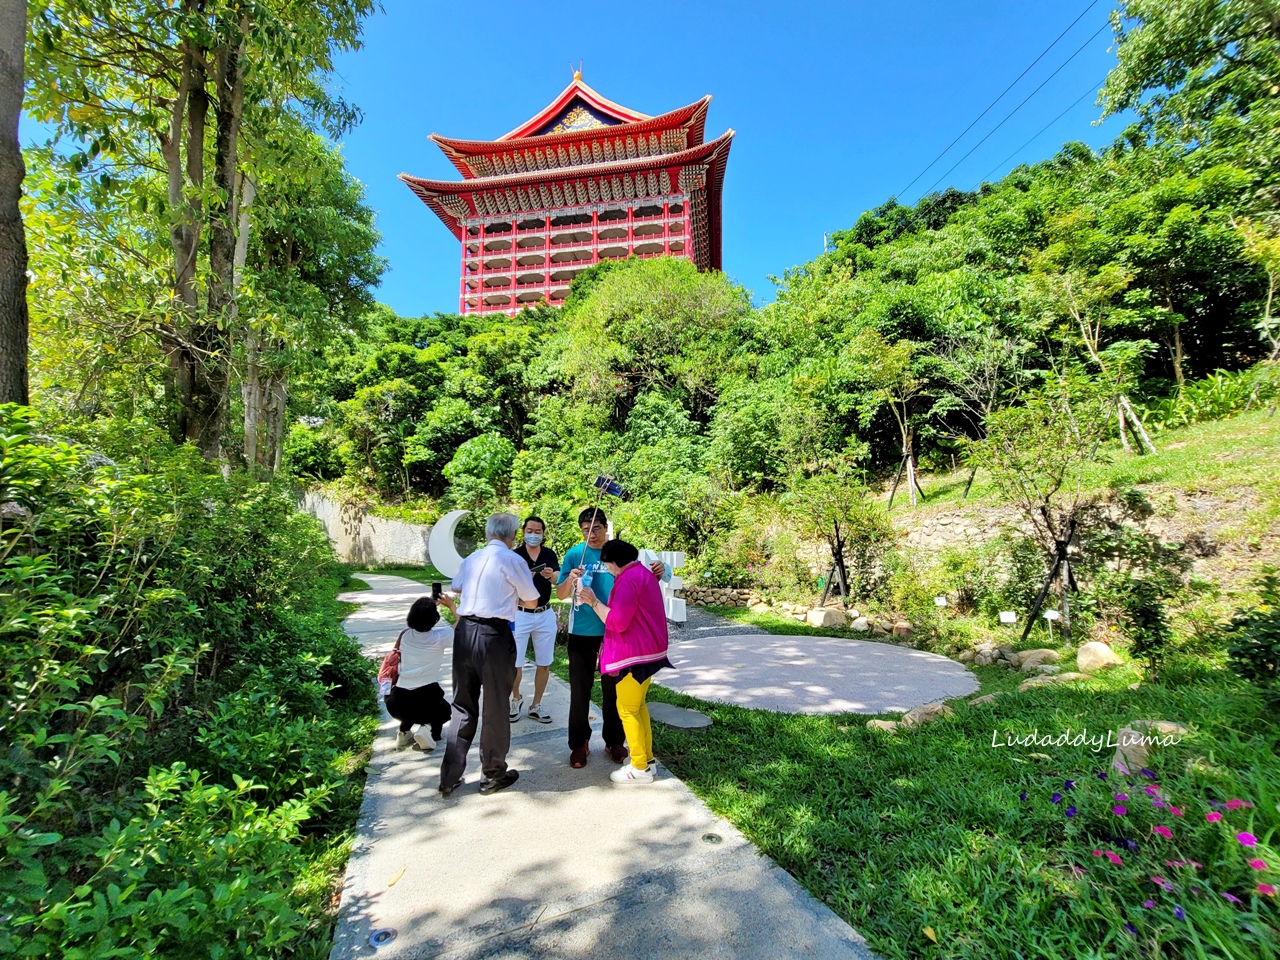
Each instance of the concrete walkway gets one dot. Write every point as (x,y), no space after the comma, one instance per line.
(564,864)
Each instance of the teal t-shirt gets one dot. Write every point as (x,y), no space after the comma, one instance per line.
(582,619)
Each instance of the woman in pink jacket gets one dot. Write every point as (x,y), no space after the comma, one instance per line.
(634,648)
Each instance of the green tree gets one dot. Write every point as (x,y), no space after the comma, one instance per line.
(13,245)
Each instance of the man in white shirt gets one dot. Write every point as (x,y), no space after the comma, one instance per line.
(491,582)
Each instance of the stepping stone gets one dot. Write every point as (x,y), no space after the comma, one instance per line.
(678,717)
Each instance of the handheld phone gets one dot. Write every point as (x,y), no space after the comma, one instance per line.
(435,590)
(538,569)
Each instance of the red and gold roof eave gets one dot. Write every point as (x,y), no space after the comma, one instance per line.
(714,152)
(579,89)
(693,117)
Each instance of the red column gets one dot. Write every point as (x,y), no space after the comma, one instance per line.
(631,238)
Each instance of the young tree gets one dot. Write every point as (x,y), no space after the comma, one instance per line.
(13,244)
(1037,453)
(979,368)
(896,379)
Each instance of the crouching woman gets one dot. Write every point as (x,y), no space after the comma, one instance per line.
(417,697)
(634,649)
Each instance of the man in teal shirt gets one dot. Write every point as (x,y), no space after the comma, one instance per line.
(586,632)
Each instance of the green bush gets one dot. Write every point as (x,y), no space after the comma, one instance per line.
(1255,635)
(1218,395)
(183,702)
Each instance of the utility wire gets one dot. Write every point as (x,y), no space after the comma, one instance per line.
(1091,5)
(1092,89)
(1018,107)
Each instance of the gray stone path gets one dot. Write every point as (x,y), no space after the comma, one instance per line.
(564,864)
(812,674)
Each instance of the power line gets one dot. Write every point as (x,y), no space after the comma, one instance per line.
(1091,5)
(1092,89)
(1018,107)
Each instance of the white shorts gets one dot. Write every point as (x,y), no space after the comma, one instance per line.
(542,627)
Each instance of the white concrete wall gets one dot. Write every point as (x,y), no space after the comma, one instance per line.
(363,540)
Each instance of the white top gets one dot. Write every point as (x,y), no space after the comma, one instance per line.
(421,655)
(491,580)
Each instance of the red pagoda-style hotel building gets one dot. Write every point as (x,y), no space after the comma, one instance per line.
(584,180)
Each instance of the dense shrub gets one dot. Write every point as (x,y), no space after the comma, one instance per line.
(180,703)
(1255,635)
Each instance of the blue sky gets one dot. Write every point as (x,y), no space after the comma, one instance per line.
(837,106)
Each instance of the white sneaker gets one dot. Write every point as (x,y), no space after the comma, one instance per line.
(629,774)
(423,740)
(516,704)
(539,714)
(403,739)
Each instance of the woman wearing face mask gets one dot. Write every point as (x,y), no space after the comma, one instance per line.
(536,620)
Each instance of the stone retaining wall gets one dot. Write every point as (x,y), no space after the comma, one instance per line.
(363,540)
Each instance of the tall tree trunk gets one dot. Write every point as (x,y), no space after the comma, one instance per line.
(210,393)
(14,322)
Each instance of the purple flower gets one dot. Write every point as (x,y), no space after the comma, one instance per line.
(1122,796)
(1071,811)
(1230,899)
(1149,904)
(1056,798)
(1069,785)
(1101,776)
(1177,912)
(1147,773)
(1118,810)
(1023,796)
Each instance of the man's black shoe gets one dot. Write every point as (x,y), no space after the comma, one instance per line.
(448,791)
(501,783)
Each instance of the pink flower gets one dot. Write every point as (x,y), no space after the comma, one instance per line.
(1194,864)
(1078,871)
(1237,804)
(1247,839)
(1149,904)
(1258,864)
(1163,831)
(1114,858)
(1122,796)
(1162,882)
(1151,791)
(1213,816)
(1266,889)
(1176,811)
(1118,810)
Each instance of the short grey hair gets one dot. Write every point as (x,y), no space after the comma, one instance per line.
(501,526)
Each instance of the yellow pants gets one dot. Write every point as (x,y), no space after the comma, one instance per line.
(635,720)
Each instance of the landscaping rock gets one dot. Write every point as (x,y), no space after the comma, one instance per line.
(967,656)
(1043,680)
(1028,660)
(889,726)
(925,713)
(1048,669)
(679,717)
(989,698)
(760,608)
(1006,652)
(1094,656)
(1137,740)
(860,624)
(902,629)
(827,617)
(879,631)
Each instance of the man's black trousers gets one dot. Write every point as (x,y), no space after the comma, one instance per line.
(484,659)
(584,658)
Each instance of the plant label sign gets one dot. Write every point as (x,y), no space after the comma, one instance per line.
(939,601)
(1008,616)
